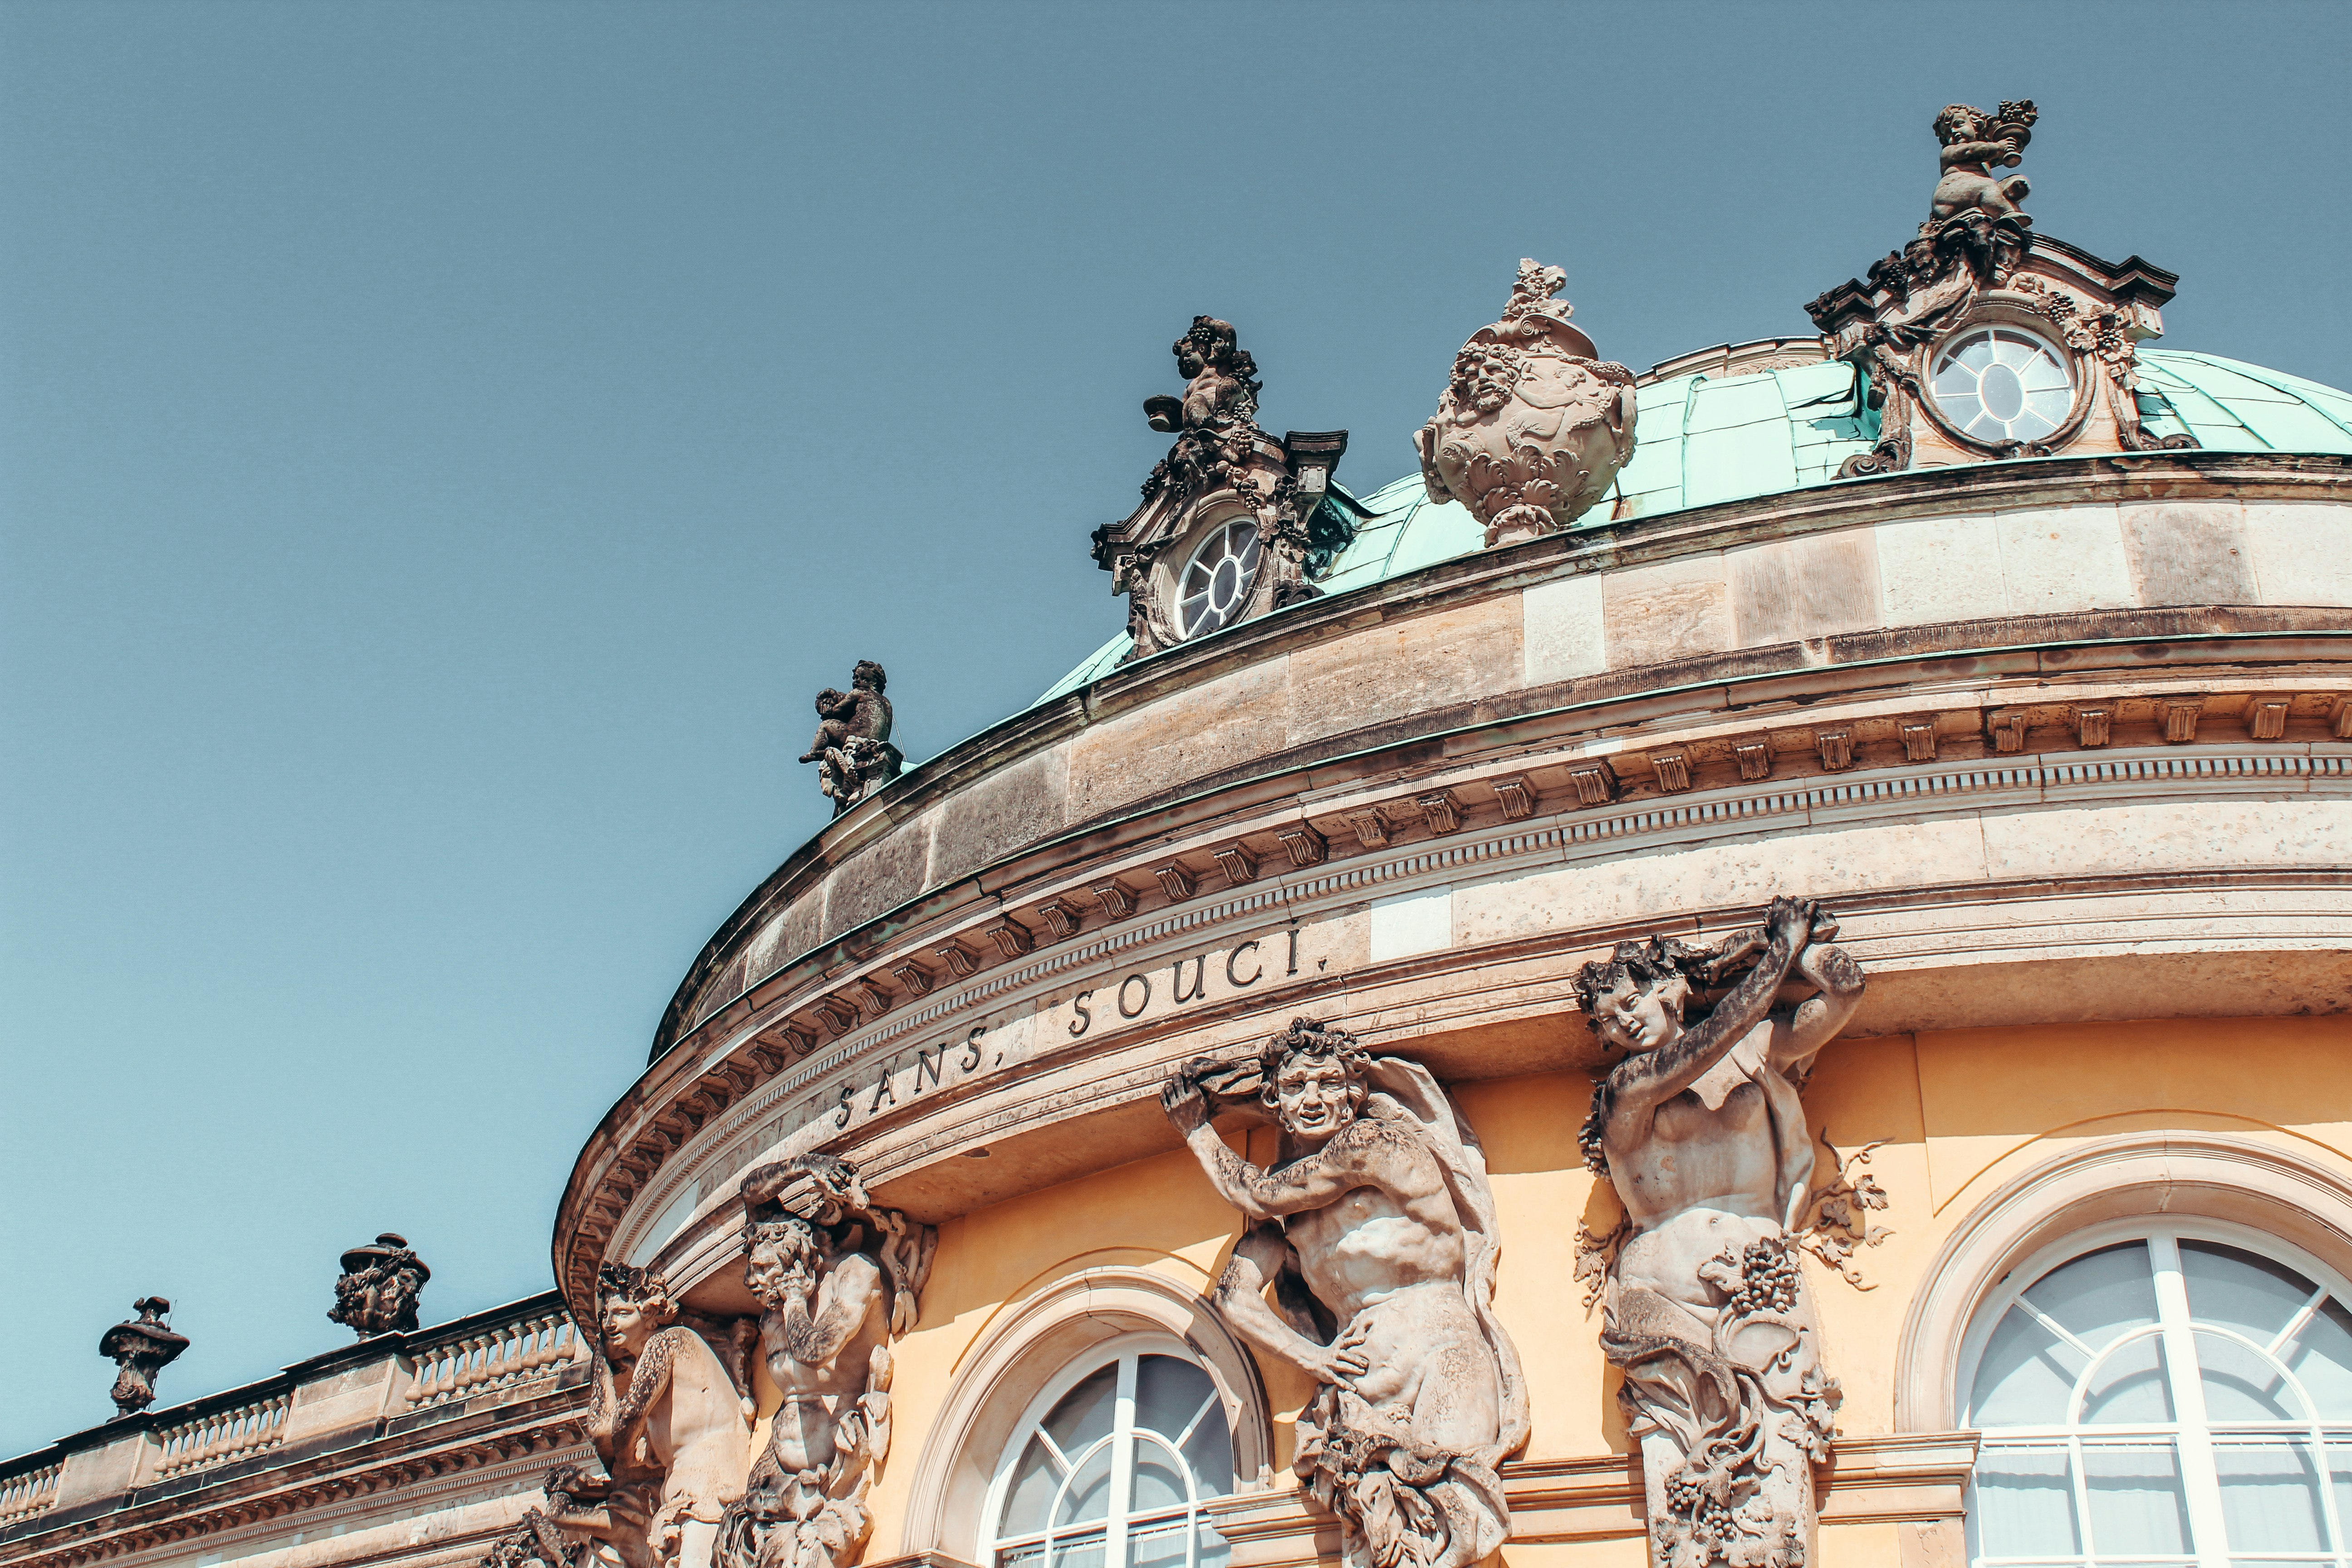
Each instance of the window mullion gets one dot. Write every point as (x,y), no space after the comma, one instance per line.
(2199,1478)
(1122,1464)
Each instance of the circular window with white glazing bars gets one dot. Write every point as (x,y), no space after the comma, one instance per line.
(2001,384)
(1215,584)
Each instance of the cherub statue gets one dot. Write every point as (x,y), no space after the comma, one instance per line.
(666,1413)
(1376,1226)
(1700,1130)
(1976,143)
(1220,380)
(851,748)
(839,1279)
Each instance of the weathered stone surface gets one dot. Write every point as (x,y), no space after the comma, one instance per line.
(880,877)
(1219,723)
(1563,629)
(1380,673)
(2302,552)
(1674,609)
(1934,569)
(2188,552)
(791,932)
(1790,589)
(999,813)
(2062,558)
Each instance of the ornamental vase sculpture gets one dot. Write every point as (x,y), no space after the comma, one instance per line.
(1533,428)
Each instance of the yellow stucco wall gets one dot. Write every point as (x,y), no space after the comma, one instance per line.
(1956,1115)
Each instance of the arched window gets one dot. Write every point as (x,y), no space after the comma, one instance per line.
(2163,1394)
(1111,1466)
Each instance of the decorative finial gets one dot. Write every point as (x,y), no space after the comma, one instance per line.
(378,1290)
(140,1348)
(1533,427)
(851,749)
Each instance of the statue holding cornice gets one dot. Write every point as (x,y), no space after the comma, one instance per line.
(1376,1226)
(1708,1315)
(839,1279)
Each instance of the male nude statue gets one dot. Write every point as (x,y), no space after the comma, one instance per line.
(1377,1228)
(1701,1133)
(837,1277)
(667,1418)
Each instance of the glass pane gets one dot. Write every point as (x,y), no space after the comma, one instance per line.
(2339,1482)
(2025,1504)
(1211,1454)
(2129,1385)
(2269,1497)
(2254,1295)
(2100,1295)
(1158,1483)
(2242,1384)
(1167,1394)
(1021,1556)
(1085,1413)
(2025,1376)
(1086,1498)
(1977,353)
(2136,1499)
(1084,1550)
(1161,1545)
(2321,1355)
(1032,1491)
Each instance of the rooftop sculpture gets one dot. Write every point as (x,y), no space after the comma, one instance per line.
(1533,428)
(140,1348)
(851,748)
(380,1284)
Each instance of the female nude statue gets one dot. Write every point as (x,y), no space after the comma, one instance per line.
(1700,1130)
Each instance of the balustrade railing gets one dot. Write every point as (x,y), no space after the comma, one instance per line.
(223,1435)
(475,1360)
(31,1492)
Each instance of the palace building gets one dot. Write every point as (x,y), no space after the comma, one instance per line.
(1750,967)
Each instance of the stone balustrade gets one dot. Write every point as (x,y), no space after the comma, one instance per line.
(221,1437)
(29,1492)
(494,1356)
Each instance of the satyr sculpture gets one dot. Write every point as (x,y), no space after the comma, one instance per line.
(837,1280)
(1707,1312)
(671,1422)
(1534,426)
(140,1348)
(1376,1226)
(380,1281)
(851,748)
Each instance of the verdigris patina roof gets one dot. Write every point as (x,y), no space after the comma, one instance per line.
(1701,440)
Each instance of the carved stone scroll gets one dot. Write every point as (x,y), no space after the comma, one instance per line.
(1533,427)
(838,1279)
(140,1348)
(851,748)
(379,1285)
(1376,1227)
(1707,1313)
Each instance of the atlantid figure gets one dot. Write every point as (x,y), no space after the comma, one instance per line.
(839,1279)
(1701,1133)
(851,748)
(1376,1226)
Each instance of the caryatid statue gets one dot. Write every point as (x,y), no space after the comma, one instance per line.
(1708,1315)
(1533,428)
(1376,1226)
(839,1279)
(672,1423)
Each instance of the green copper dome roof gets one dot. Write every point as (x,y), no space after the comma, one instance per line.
(1699,441)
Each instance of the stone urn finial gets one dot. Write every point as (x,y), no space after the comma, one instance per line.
(141,1347)
(1534,427)
(379,1287)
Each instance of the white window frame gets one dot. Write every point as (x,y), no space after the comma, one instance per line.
(1127,1351)
(2191,1432)
(1218,531)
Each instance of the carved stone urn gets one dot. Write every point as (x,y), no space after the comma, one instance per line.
(1534,427)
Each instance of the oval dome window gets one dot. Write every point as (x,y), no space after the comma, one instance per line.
(2001,383)
(1216,581)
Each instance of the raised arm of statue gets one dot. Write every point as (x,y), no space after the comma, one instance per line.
(1799,1034)
(1350,1159)
(1644,1082)
(851,1287)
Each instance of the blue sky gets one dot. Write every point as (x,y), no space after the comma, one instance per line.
(443,448)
